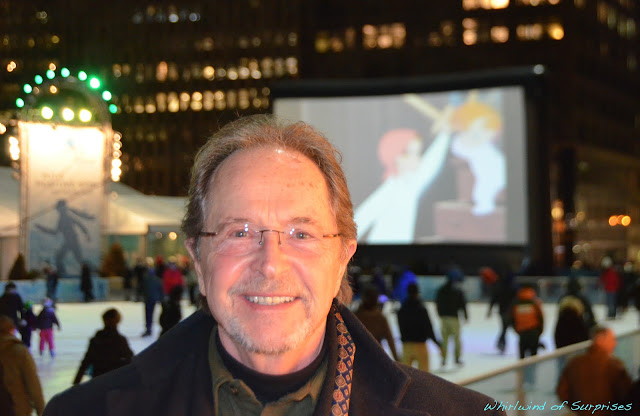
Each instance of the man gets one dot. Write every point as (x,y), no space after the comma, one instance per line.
(596,376)
(450,301)
(11,304)
(20,374)
(108,349)
(415,329)
(528,320)
(269,226)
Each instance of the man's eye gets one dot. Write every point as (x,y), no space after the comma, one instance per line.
(301,235)
(239,234)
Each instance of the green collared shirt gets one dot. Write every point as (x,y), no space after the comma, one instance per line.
(233,397)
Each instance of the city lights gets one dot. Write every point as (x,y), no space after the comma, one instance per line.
(84,115)
(67,114)
(623,220)
(14,148)
(47,113)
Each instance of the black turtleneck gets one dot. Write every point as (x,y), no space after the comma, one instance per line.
(269,388)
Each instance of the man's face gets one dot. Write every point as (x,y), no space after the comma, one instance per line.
(273,298)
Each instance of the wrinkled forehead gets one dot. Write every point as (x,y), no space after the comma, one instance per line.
(269,172)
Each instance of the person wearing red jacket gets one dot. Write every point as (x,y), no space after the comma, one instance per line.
(610,281)
(171,277)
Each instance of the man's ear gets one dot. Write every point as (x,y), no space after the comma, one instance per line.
(349,251)
(191,246)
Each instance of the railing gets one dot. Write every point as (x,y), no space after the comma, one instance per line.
(528,387)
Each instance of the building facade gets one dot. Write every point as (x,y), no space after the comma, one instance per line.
(180,70)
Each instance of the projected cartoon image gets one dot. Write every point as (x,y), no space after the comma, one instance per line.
(389,213)
(476,127)
(429,167)
(68,219)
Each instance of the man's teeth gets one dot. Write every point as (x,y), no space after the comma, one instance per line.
(270,300)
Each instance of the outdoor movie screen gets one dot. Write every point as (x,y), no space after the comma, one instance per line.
(440,167)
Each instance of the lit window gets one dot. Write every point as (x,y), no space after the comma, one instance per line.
(580,4)
(232,74)
(469,23)
(184,101)
(553,2)
(499,34)
(266,65)
(173,102)
(399,35)
(447,28)
(499,4)
(243,99)
(256,42)
(231,99)
(435,39)
(292,65)
(243,72)
(470,4)
(208,100)
(555,31)
(161,71)
(336,44)
(117,70)
(292,39)
(470,37)
(161,102)
(173,72)
(369,35)
(322,42)
(208,72)
(138,105)
(278,67)
(196,101)
(150,106)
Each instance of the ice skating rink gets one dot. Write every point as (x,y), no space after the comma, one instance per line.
(81,320)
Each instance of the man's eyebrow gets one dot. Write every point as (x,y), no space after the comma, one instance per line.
(302,220)
(233,220)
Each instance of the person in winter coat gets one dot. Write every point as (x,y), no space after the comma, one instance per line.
(27,324)
(415,329)
(450,301)
(574,289)
(171,277)
(46,320)
(528,320)
(370,314)
(20,373)
(86,285)
(503,294)
(11,303)
(570,328)
(151,294)
(171,310)
(611,282)
(108,349)
(596,376)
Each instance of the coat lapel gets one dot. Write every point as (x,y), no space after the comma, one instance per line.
(379,384)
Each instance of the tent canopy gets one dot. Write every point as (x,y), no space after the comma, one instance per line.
(129,212)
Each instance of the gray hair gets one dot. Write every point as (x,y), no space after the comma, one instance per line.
(267,131)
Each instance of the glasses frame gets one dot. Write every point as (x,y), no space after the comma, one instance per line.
(261,242)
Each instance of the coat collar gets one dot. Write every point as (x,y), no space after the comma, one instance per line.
(178,362)
(379,383)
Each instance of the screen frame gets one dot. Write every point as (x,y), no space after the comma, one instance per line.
(532,79)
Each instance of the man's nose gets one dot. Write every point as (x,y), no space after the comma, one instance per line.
(272,259)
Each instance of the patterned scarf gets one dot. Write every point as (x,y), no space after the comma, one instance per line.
(344,368)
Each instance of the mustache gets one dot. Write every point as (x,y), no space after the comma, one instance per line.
(264,285)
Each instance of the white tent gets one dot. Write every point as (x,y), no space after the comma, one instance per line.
(129,212)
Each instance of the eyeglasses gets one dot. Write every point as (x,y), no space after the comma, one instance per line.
(238,239)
